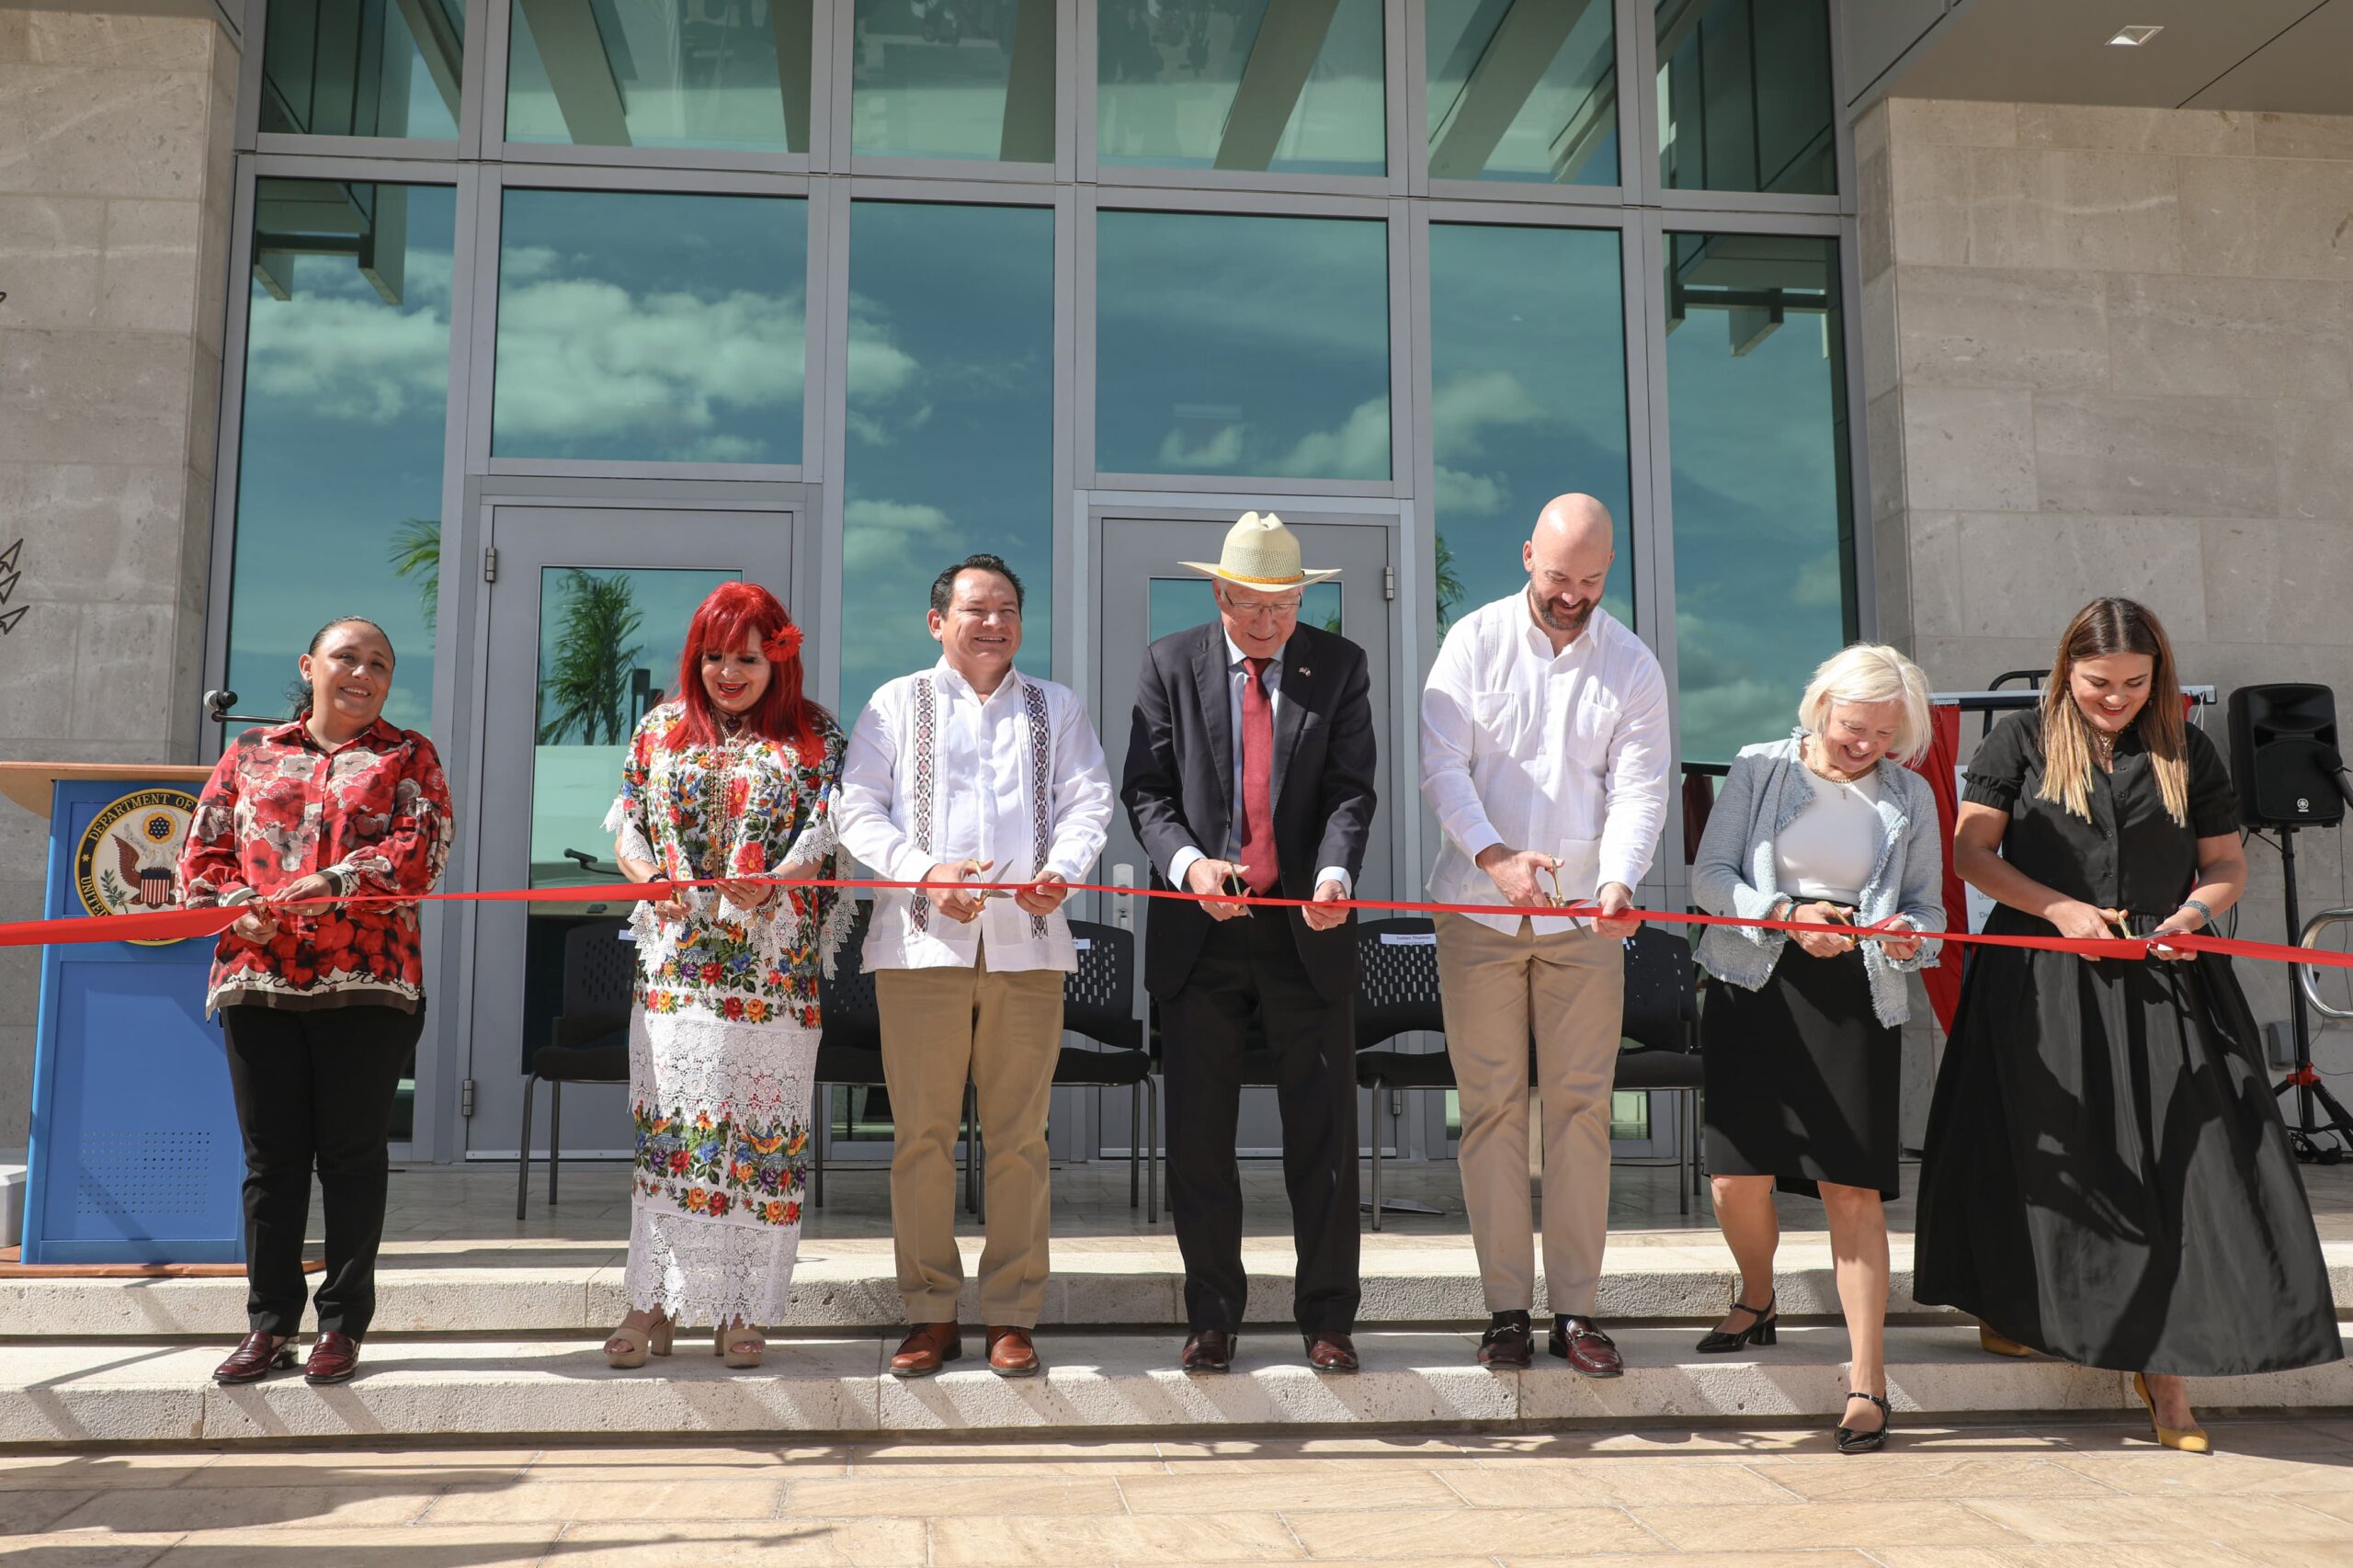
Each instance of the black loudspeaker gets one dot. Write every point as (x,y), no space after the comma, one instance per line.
(2284,759)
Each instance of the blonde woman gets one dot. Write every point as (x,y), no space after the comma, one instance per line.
(2107,1178)
(1798,1033)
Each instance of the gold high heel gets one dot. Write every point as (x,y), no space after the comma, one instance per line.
(2188,1439)
(729,1345)
(638,1343)
(2000,1344)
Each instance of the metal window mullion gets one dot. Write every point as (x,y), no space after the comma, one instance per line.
(1527,214)
(497,46)
(1401,98)
(246,124)
(1084,213)
(481,275)
(1069,664)
(841,65)
(1073,84)
(1638,100)
(227,449)
(1652,495)
(832,546)
(1842,124)
(820,385)
(1859,520)
(822,150)
(475,95)
(1085,98)
(1237,201)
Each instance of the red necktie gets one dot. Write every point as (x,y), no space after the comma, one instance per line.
(1258,866)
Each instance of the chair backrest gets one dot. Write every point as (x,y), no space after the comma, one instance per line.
(1397,990)
(1661,1001)
(1099,999)
(845,1003)
(600,969)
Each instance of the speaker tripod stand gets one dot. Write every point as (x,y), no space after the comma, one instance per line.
(2318,1115)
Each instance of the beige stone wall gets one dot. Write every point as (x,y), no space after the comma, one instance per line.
(115,197)
(2111,351)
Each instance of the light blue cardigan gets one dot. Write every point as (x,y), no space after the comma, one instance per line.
(1733,872)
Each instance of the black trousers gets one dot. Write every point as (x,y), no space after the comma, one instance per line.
(315,1087)
(1251,965)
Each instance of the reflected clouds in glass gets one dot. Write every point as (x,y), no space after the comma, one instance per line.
(339,459)
(1757,414)
(1528,399)
(662,328)
(1242,344)
(952,424)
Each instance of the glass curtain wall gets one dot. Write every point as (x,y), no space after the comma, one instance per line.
(1346,255)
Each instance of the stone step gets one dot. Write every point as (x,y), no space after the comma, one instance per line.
(848,1285)
(95,1391)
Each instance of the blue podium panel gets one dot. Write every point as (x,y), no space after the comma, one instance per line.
(133,1151)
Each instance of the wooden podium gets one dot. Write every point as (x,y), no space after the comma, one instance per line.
(133,1151)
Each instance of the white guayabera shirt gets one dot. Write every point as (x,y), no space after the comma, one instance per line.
(1566,754)
(936,772)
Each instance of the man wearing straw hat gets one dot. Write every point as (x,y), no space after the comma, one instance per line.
(1250,770)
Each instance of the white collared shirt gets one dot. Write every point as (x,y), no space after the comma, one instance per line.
(1567,753)
(981,809)
(1237,675)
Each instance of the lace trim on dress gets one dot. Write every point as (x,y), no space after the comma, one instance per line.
(701,1273)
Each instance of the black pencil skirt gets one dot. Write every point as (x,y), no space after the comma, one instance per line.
(1803,1082)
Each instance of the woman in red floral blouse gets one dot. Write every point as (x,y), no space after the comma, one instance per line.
(321,1002)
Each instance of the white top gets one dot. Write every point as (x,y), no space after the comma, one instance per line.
(1564,753)
(1237,675)
(1829,850)
(981,809)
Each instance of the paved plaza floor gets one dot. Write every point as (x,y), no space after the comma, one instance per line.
(2090,1495)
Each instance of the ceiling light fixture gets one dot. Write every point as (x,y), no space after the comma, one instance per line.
(2134,38)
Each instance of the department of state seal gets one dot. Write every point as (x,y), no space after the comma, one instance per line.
(128,858)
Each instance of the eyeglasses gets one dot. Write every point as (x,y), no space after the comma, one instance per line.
(1282,610)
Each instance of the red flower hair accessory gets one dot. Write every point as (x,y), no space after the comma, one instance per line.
(784,645)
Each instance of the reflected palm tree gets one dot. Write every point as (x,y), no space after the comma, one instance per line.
(586,692)
(416,555)
(1448,586)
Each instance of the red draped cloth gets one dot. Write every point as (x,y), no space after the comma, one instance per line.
(1938,765)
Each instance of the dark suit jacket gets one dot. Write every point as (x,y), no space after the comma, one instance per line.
(1180,766)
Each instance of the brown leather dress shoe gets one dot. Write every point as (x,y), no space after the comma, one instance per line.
(927,1347)
(1011,1354)
(1331,1351)
(1509,1344)
(335,1356)
(1580,1342)
(1210,1350)
(256,1355)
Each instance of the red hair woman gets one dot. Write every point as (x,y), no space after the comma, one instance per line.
(733,783)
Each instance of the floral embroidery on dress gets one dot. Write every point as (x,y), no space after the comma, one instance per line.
(757,1172)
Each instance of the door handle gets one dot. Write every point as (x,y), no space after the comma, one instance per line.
(1123,905)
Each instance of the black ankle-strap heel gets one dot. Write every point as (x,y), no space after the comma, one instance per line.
(1853,1442)
(1765,1330)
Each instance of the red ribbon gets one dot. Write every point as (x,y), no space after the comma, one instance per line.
(175,924)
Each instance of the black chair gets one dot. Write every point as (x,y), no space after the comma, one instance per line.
(1397,993)
(1098,1003)
(1660,1035)
(849,1052)
(587,1042)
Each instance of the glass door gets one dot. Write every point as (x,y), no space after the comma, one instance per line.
(588,614)
(1144,593)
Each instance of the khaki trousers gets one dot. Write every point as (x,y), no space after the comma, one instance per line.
(1571,989)
(1004,1031)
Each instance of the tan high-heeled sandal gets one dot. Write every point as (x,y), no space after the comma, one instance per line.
(739,1344)
(2188,1439)
(637,1343)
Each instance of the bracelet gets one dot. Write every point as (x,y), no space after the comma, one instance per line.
(2205,915)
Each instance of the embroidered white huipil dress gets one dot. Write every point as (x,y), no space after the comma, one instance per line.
(722,1038)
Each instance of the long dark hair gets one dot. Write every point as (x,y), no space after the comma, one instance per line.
(2101,628)
(297,691)
(783,713)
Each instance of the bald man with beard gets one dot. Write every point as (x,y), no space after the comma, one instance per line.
(1545,756)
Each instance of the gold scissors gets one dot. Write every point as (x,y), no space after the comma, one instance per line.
(1553,889)
(1235,885)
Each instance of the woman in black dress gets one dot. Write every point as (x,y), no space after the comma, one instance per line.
(2108,1180)
(1798,1034)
